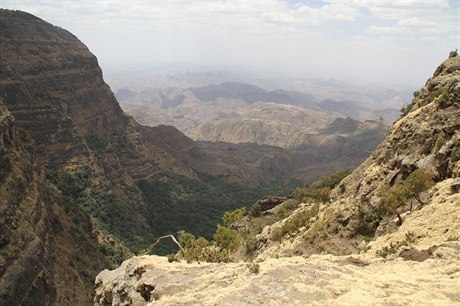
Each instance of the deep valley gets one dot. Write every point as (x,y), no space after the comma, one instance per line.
(270,192)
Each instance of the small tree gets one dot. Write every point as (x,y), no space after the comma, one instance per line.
(231,217)
(187,240)
(226,238)
(453,53)
(392,199)
(416,183)
(411,188)
(323,194)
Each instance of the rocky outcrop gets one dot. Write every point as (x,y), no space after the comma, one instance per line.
(7,128)
(426,137)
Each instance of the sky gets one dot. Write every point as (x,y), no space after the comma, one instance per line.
(393,42)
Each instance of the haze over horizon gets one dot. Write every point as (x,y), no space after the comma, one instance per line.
(388,42)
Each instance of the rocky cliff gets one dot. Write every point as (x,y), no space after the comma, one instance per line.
(48,246)
(391,229)
(427,137)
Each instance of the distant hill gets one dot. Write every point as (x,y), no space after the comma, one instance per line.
(250,94)
(240,112)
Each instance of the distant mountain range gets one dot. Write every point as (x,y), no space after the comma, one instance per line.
(239,112)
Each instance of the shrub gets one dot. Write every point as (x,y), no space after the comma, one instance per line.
(295,222)
(70,184)
(453,53)
(286,208)
(253,267)
(417,182)
(95,142)
(405,110)
(186,240)
(201,250)
(398,195)
(391,249)
(439,94)
(13,190)
(250,244)
(392,199)
(226,238)
(367,220)
(320,190)
(323,194)
(230,217)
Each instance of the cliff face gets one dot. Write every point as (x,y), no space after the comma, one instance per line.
(42,248)
(54,87)
(426,137)
(367,245)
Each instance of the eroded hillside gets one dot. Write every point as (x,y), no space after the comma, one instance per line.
(391,230)
(49,249)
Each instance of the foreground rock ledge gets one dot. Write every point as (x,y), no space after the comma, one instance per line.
(318,280)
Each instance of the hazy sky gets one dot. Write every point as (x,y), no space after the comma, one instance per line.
(389,41)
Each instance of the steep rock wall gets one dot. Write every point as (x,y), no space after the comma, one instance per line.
(44,239)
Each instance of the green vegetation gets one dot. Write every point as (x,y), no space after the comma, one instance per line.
(237,235)
(295,222)
(111,215)
(286,208)
(253,267)
(392,199)
(233,216)
(441,94)
(405,109)
(174,204)
(398,195)
(200,249)
(96,142)
(13,190)
(320,190)
(226,238)
(391,249)
(453,53)
(325,226)
(367,220)
(395,246)
(196,206)
(70,184)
